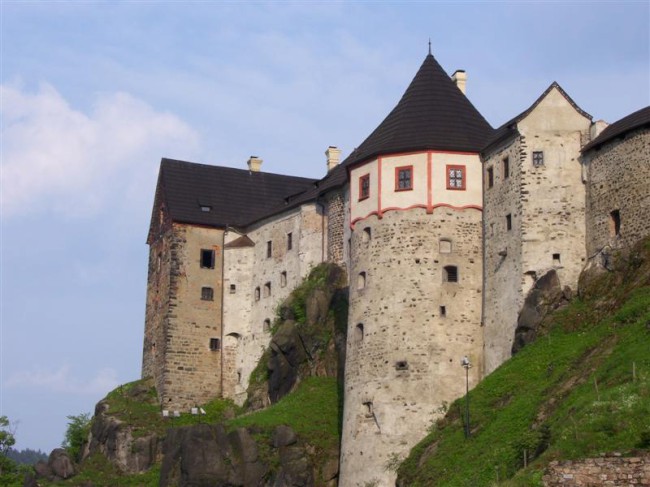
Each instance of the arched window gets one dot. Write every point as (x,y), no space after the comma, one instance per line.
(367,234)
(267,289)
(361,280)
(267,325)
(450,273)
(358,332)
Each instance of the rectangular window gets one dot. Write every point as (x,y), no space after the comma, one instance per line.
(267,289)
(269,249)
(403,178)
(508,221)
(443,311)
(455,177)
(289,241)
(364,187)
(490,177)
(207,294)
(215,344)
(233,289)
(283,278)
(207,258)
(506,168)
(538,158)
(615,223)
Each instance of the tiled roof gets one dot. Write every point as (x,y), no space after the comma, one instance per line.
(433,114)
(617,129)
(509,128)
(234,197)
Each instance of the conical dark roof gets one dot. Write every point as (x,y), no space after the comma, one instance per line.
(433,114)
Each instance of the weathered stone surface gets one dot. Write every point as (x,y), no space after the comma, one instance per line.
(596,472)
(547,294)
(114,439)
(283,436)
(61,464)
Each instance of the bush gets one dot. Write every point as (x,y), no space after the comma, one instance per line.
(76,434)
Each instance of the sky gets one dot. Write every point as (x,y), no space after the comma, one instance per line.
(94,94)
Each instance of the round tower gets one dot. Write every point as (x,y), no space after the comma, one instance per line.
(415,273)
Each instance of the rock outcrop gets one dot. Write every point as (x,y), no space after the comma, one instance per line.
(59,466)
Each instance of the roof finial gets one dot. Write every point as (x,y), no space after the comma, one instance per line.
(429,45)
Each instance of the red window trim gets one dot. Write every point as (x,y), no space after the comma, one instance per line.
(455,167)
(397,170)
(361,180)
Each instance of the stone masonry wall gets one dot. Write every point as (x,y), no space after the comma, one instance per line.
(191,372)
(403,349)
(604,471)
(335,227)
(618,178)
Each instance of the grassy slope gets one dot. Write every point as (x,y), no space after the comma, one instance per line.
(581,390)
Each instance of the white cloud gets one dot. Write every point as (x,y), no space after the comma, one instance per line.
(75,163)
(61,380)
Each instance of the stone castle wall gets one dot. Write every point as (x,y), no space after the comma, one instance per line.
(335,207)
(603,471)
(618,179)
(404,351)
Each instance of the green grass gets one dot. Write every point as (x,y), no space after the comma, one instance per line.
(571,394)
(311,411)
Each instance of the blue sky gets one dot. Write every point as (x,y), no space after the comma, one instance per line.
(95,93)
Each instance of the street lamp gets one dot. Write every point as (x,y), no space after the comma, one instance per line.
(465,363)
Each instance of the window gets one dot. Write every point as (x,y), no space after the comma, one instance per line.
(289,241)
(358,333)
(615,223)
(206,209)
(269,249)
(445,246)
(267,325)
(401,365)
(403,178)
(450,273)
(490,177)
(556,259)
(367,234)
(207,294)
(257,293)
(233,289)
(267,289)
(361,280)
(207,259)
(443,311)
(159,262)
(506,168)
(538,158)
(215,344)
(508,221)
(283,278)
(455,177)
(364,187)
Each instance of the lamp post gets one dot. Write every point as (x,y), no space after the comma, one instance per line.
(465,363)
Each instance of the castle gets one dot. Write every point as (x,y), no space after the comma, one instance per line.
(443,224)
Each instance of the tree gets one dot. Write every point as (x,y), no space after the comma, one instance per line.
(76,434)
(10,474)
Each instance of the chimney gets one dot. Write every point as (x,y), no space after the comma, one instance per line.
(254,164)
(460,79)
(333,156)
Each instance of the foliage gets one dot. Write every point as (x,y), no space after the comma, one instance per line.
(581,390)
(26,456)
(11,474)
(76,434)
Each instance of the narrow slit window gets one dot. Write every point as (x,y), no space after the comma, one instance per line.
(367,234)
(215,344)
(207,294)
(508,221)
(506,168)
(257,293)
(450,273)
(615,223)
(361,280)
(358,333)
(289,241)
(267,289)
(283,279)
(490,177)
(207,258)
(443,311)
(269,249)
(267,325)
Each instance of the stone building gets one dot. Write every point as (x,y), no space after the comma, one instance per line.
(443,225)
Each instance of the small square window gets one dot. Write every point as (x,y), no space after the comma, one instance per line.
(207,258)
(364,187)
(556,259)
(456,177)
(233,289)
(215,344)
(506,168)
(538,158)
(269,249)
(207,294)
(289,241)
(490,177)
(508,221)
(403,178)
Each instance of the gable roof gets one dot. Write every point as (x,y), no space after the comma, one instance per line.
(509,128)
(618,129)
(234,197)
(433,114)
